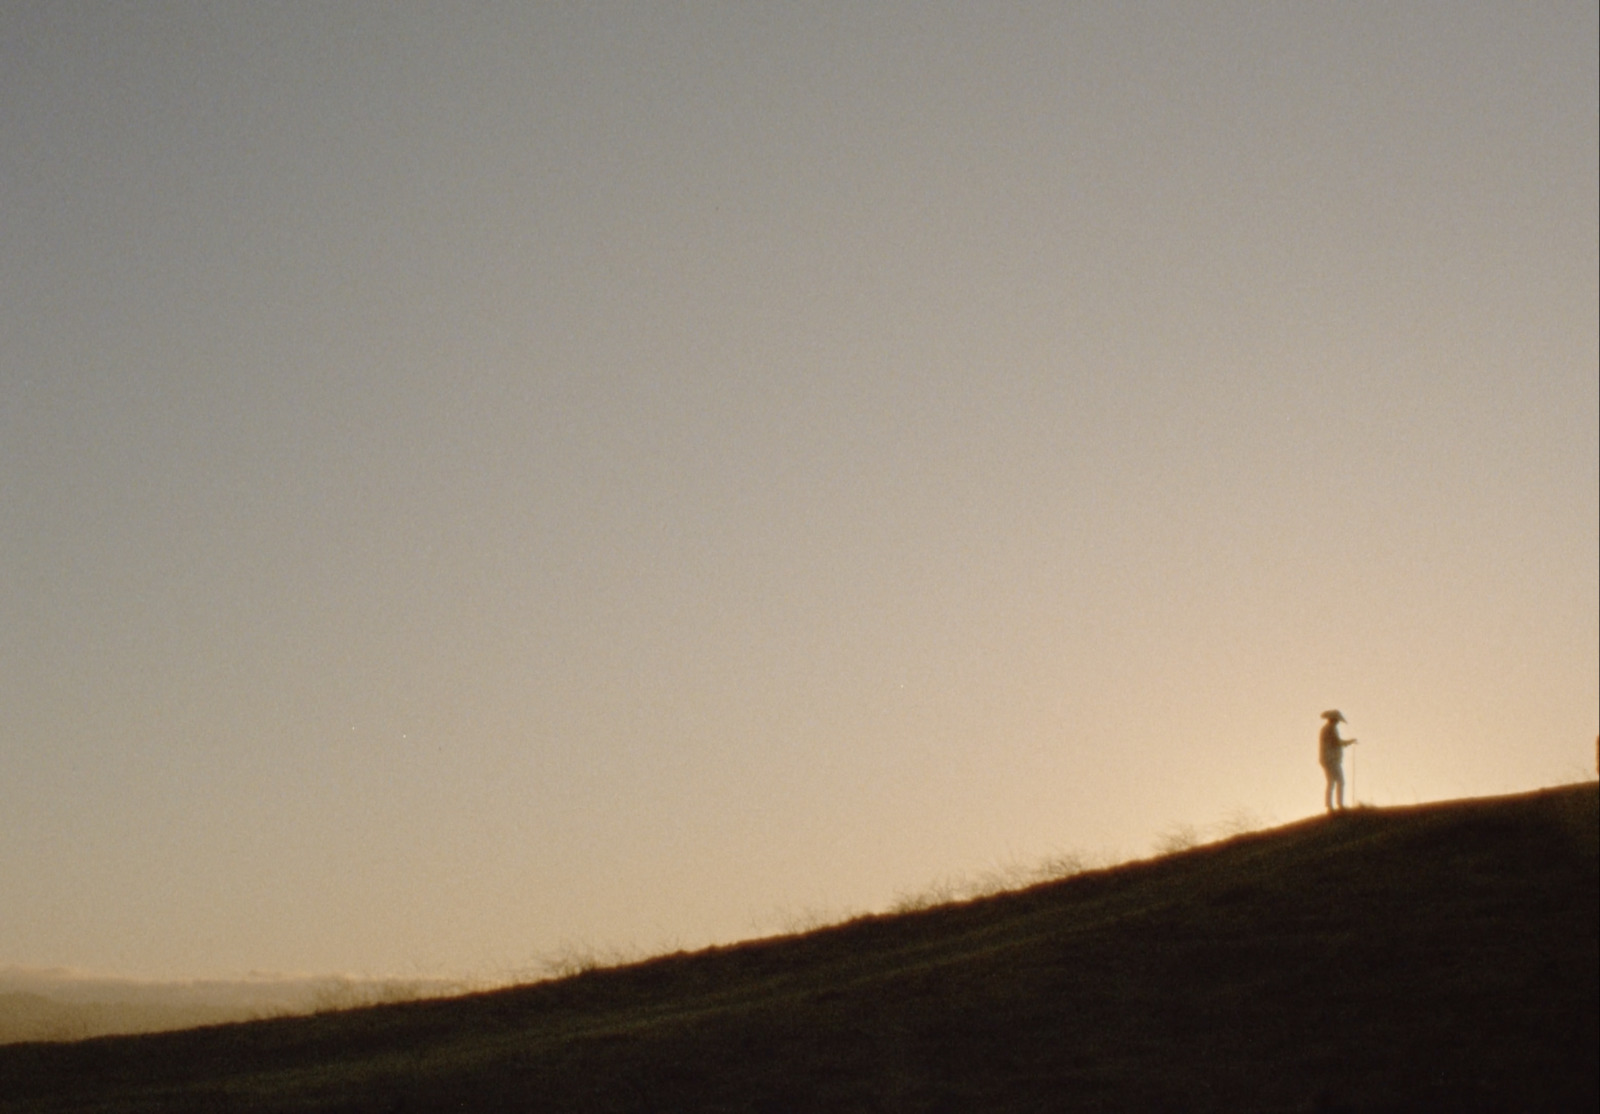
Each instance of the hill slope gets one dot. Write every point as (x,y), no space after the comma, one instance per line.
(1443,956)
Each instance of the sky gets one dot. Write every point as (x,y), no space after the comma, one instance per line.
(480,481)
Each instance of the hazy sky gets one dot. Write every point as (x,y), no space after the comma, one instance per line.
(479,479)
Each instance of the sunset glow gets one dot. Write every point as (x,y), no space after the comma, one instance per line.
(482,481)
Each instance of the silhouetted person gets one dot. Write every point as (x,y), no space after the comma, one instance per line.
(1332,755)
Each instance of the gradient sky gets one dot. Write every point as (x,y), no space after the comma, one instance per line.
(478,480)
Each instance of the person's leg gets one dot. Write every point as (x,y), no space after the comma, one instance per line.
(1327,793)
(1338,780)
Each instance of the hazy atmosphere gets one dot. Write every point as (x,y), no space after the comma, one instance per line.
(479,481)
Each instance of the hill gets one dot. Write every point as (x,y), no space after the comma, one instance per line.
(56,1004)
(1435,957)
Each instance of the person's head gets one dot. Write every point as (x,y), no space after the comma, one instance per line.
(1333,716)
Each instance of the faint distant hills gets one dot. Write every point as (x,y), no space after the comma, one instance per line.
(55,1004)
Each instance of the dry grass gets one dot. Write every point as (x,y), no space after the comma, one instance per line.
(1435,957)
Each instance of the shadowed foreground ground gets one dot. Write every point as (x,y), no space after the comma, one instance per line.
(1442,956)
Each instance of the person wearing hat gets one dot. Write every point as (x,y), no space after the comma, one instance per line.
(1332,756)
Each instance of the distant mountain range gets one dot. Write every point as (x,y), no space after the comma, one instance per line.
(55,1004)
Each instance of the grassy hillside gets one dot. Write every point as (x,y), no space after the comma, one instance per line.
(1443,956)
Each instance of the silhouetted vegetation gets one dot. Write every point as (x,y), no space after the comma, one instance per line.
(1433,957)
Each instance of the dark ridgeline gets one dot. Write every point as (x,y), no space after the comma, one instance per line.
(1440,957)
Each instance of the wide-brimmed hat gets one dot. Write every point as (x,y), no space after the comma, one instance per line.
(1335,715)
